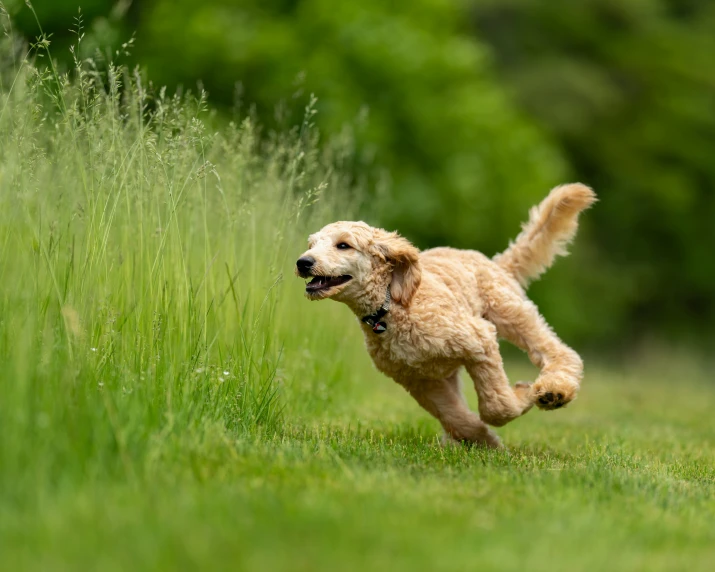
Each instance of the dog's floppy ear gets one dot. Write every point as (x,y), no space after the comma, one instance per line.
(406,269)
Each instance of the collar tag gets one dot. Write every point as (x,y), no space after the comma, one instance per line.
(374,320)
(379,327)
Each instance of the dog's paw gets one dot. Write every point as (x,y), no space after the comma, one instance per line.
(550,400)
(553,395)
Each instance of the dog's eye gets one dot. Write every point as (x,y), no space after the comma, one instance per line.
(342,246)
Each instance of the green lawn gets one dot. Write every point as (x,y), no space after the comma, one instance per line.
(622,479)
(168,399)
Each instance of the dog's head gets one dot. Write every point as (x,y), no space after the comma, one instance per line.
(345,260)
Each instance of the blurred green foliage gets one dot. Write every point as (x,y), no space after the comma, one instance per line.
(627,88)
(475,108)
(437,119)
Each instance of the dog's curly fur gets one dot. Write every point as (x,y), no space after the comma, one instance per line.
(448,309)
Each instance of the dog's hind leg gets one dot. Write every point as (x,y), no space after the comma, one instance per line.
(518,320)
(444,400)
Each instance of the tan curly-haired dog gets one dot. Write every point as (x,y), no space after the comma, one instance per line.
(427,314)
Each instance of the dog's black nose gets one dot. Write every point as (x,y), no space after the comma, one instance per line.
(305,263)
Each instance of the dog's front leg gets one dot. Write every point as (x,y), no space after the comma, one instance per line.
(443,399)
(499,402)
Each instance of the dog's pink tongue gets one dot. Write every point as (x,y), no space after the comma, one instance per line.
(316,282)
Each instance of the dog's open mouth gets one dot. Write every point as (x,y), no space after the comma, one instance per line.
(322,283)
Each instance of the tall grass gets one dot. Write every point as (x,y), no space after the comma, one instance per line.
(145,269)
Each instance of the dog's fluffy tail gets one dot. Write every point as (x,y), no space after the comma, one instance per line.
(551,226)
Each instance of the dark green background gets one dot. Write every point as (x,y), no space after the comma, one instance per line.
(475,109)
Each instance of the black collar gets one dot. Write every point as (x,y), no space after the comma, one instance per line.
(373,320)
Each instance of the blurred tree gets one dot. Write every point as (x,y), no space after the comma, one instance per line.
(627,87)
(103,22)
(464,164)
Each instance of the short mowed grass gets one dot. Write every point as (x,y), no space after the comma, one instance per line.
(168,399)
